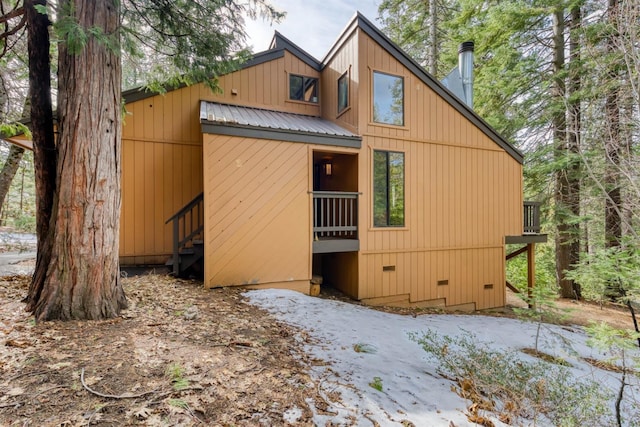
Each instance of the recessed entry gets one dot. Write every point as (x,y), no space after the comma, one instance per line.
(388,268)
(488,286)
(443,282)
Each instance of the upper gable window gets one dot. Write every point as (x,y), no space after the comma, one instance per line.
(343,92)
(388,99)
(303,88)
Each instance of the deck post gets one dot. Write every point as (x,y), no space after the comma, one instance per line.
(531,271)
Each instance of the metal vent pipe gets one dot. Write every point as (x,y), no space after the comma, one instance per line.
(465,66)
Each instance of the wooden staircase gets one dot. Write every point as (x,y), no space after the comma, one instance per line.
(187,259)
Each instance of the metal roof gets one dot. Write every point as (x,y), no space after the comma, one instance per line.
(255,122)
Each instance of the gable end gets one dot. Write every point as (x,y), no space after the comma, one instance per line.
(360,21)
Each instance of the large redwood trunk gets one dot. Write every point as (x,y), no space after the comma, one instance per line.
(81,278)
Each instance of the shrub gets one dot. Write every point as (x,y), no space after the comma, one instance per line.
(503,383)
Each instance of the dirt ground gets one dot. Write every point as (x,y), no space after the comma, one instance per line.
(179,355)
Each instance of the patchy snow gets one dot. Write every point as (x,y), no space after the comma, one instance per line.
(292,415)
(356,349)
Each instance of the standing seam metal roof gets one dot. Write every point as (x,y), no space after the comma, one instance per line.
(234,115)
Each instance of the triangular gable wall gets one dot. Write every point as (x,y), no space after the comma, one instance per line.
(360,22)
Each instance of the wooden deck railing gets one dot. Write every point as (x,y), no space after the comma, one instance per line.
(335,215)
(531,217)
(188,223)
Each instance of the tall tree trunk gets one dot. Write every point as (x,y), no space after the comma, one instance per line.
(433,38)
(9,170)
(44,150)
(613,146)
(564,234)
(613,202)
(571,178)
(82,276)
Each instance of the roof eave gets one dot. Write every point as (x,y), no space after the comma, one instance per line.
(287,135)
(281,42)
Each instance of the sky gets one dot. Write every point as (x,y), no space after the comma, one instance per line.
(350,347)
(311,24)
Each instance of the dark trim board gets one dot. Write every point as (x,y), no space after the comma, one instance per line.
(526,239)
(262,57)
(337,245)
(282,135)
(281,42)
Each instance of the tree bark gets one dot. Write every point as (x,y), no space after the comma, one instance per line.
(613,203)
(565,233)
(9,171)
(44,154)
(572,176)
(433,38)
(613,145)
(81,280)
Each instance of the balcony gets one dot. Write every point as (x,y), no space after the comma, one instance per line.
(335,222)
(531,226)
(531,217)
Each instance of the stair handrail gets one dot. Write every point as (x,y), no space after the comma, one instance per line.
(179,243)
(186,207)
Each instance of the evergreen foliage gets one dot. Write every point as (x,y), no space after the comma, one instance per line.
(186,41)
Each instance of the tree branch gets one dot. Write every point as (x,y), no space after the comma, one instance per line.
(12,14)
(111,396)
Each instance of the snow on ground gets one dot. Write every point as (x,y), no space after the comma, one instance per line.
(412,390)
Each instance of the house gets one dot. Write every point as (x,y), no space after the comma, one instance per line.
(360,169)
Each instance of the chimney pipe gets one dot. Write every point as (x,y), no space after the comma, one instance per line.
(465,66)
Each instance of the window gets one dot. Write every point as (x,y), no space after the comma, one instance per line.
(388,189)
(343,92)
(303,88)
(388,99)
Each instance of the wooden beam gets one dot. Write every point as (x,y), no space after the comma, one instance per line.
(513,288)
(516,253)
(531,269)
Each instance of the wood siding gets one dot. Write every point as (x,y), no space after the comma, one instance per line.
(265,86)
(159,178)
(161,171)
(257,211)
(463,194)
(162,150)
(345,61)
